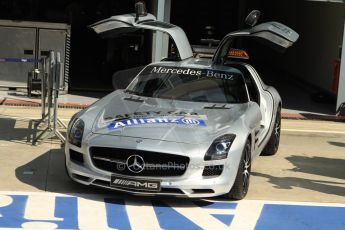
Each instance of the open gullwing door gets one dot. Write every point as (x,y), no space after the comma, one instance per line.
(274,34)
(126,23)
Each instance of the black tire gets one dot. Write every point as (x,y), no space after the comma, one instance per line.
(240,188)
(272,145)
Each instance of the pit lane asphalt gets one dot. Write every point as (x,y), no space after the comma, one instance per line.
(309,167)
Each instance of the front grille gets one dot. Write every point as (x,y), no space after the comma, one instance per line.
(213,170)
(155,164)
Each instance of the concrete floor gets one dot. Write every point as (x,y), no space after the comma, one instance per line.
(310,164)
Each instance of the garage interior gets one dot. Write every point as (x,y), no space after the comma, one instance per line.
(304,74)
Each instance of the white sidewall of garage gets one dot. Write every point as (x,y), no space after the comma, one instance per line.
(341,88)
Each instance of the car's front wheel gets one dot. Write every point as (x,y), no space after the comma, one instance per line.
(240,188)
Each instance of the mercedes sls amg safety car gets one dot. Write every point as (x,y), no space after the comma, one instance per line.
(188,127)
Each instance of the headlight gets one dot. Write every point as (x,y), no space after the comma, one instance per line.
(76,132)
(220,147)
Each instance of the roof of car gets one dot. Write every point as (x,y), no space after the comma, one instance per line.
(197,63)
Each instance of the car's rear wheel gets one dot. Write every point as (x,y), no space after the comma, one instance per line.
(240,188)
(272,145)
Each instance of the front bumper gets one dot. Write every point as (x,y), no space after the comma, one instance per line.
(191,184)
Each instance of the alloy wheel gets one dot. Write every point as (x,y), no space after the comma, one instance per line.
(246,168)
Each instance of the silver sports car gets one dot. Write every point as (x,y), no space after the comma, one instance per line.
(183,127)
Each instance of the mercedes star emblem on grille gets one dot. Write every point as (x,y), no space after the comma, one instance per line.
(135,163)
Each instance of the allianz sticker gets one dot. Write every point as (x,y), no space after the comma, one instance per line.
(154,114)
(177,120)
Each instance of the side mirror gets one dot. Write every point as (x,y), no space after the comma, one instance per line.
(253,18)
(140,10)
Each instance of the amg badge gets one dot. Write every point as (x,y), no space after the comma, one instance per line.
(135,184)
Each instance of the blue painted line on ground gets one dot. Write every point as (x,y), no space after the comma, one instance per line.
(224,218)
(117,216)
(68,210)
(13,215)
(65,208)
(298,217)
(168,218)
(272,216)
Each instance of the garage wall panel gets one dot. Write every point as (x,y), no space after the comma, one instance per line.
(16,44)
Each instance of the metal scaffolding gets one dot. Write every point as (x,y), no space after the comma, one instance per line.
(50,74)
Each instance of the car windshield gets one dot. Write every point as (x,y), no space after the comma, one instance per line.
(188,84)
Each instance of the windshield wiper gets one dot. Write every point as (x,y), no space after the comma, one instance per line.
(131,92)
(214,106)
(131,98)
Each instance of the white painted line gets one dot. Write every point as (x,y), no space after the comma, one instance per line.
(246,215)
(91,211)
(294,203)
(4,201)
(142,215)
(40,208)
(313,131)
(39,225)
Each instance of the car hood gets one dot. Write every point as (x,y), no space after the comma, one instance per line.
(165,119)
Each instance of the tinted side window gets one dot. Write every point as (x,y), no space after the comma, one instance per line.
(253,90)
